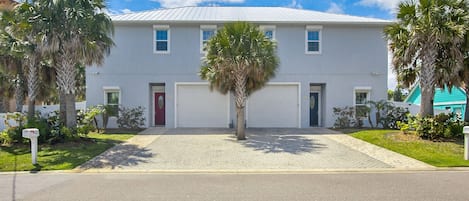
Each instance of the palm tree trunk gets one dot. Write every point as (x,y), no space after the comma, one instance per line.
(63,107)
(71,116)
(66,81)
(33,85)
(19,94)
(427,79)
(31,108)
(19,89)
(240,128)
(240,95)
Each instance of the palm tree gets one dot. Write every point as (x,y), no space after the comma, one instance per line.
(79,32)
(239,59)
(11,54)
(422,29)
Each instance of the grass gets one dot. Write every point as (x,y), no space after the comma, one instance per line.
(62,156)
(439,154)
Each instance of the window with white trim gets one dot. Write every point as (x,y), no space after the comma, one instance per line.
(361,102)
(206,32)
(313,40)
(112,101)
(268,30)
(161,39)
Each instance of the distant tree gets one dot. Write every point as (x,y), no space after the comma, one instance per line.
(239,59)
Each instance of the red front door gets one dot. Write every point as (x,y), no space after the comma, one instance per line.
(159,109)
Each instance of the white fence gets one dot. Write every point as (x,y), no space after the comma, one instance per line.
(415,109)
(44,110)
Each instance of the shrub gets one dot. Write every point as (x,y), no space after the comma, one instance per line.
(86,119)
(131,117)
(434,128)
(345,117)
(392,115)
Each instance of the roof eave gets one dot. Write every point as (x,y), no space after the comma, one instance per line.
(126,22)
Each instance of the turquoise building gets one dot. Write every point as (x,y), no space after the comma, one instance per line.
(443,100)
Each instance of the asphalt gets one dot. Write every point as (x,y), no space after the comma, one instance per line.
(265,150)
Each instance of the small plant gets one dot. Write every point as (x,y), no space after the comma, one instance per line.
(86,119)
(131,117)
(345,117)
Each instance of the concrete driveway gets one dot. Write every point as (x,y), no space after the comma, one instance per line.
(310,149)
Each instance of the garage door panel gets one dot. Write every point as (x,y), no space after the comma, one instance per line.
(197,106)
(274,106)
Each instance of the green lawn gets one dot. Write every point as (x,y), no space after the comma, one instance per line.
(440,154)
(60,156)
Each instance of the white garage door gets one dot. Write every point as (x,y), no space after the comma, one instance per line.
(197,106)
(274,106)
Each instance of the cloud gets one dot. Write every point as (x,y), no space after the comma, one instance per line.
(295,4)
(335,8)
(126,11)
(181,3)
(387,5)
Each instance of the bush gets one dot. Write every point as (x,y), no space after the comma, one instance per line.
(434,128)
(391,115)
(86,119)
(345,117)
(131,117)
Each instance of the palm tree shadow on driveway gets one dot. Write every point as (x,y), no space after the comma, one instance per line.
(282,143)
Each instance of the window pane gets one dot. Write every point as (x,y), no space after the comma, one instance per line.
(313,46)
(162,35)
(269,34)
(161,46)
(113,98)
(361,98)
(313,35)
(207,34)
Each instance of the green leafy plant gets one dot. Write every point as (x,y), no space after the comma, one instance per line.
(434,128)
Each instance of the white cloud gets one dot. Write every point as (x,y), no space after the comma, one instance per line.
(335,8)
(126,11)
(181,3)
(387,5)
(295,4)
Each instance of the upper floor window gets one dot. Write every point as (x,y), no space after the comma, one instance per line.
(313,39)
(162,39)
(206,32)
(269,31)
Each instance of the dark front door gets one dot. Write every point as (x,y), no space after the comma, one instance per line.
(159,109)
(314,109)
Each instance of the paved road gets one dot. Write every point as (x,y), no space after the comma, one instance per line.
(360,186)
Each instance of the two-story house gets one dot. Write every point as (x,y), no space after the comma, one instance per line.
(326,60)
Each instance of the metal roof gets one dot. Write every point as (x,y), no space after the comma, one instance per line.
(251,14)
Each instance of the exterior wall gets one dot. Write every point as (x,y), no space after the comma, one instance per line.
(352,56)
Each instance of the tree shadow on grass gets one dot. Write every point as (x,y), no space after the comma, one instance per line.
(278,143)
(119,156)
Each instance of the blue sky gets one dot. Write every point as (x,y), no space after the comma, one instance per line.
(383,9)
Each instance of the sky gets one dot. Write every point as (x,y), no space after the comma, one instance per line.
(382,9)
